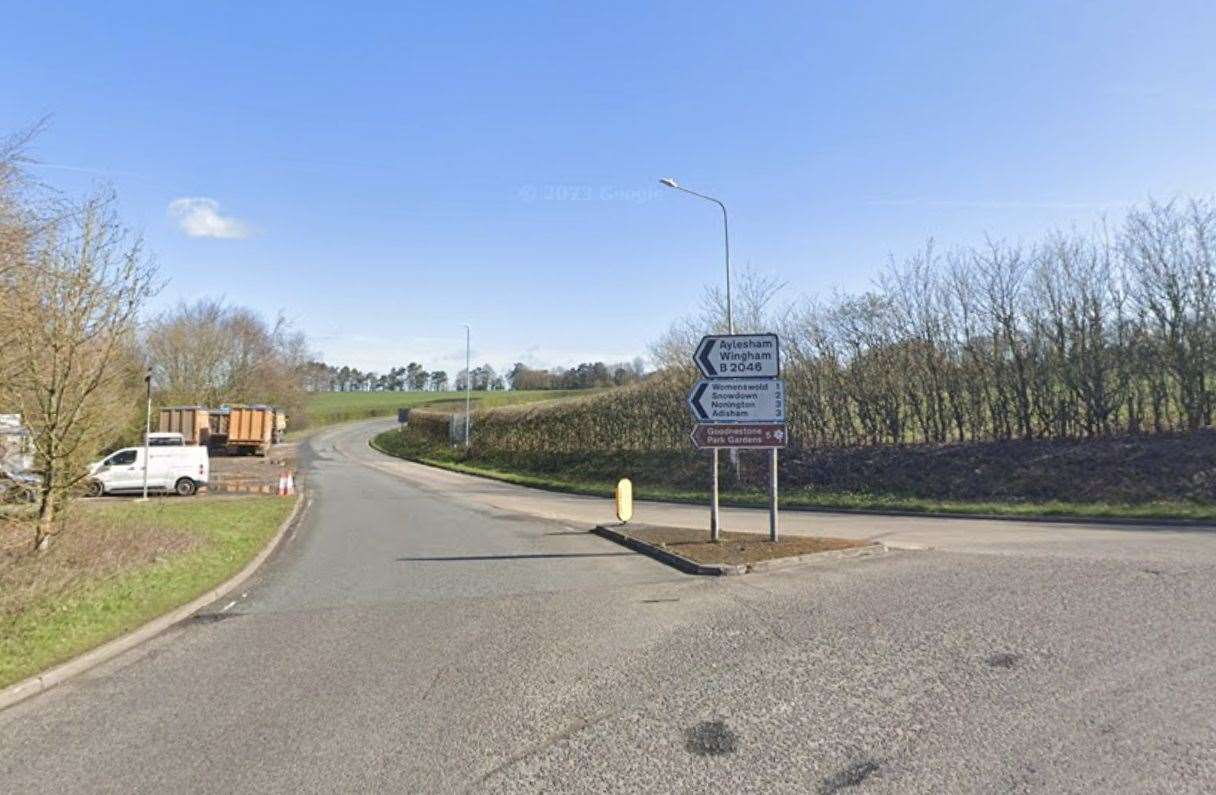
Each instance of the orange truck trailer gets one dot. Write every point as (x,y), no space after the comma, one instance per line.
(192,422)
(230,429)
(253,429)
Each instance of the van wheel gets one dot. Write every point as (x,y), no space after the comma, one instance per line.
(94,489)
(185,487)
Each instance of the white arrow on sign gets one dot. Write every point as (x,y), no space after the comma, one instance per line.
(739,356)
(753,400)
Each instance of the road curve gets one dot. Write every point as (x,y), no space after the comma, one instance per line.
(990,536)
(425,631)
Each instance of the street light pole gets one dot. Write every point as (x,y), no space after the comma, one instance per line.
(715,516)
(468,382)
(147,429)
(671,183)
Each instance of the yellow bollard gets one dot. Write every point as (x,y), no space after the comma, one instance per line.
(624,500)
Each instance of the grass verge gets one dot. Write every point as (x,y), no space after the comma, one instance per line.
(652,488)
(117,565)
(330,408)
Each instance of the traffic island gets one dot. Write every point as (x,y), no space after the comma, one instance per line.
(691,551)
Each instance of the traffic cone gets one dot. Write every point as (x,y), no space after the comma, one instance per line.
(291,484)
(282,484)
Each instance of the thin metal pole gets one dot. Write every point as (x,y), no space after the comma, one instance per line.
(468,383)
(730,325)
(772,496)
(730,315)
(715,524)
(147,429)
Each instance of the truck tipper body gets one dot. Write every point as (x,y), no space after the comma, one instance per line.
(251,429)
(192,422)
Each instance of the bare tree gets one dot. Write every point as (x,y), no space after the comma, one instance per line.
(754,294)
(74,305)
(18,226)
(210,353)
(1173,254)
(1080,335)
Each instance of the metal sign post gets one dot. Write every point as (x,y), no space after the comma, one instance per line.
(772,495)
(147,432)
(740,404)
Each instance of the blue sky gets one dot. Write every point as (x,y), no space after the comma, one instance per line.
(383,172)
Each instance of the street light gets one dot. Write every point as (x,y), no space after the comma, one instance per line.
(715,523)
(671,183)
(468,383)
(147,431)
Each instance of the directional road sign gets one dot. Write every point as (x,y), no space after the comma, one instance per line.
(739,356)
(753,436)
(752,400)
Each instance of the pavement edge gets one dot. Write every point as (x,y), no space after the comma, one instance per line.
(724,569)
(40,683)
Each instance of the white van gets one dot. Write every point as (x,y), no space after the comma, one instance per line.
(182,469)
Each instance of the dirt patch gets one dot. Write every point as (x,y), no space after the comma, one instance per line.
(247,474)
(212,618)
(734,548)
(711,738)
(1003,660)
(852,776)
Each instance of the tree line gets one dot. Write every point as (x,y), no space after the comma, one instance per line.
(321,377)
(588,375)
(1076,335)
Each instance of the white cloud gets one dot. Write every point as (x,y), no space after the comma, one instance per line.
(200,217)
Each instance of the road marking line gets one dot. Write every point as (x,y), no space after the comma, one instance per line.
(228,606)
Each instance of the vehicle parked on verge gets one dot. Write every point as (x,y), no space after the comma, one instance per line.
(178,468)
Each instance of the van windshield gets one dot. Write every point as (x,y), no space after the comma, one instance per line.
(121,457)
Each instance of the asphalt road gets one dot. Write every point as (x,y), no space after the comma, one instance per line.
(422,631)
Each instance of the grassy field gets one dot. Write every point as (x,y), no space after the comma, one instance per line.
(116,565)
(328,408)
(652,476)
